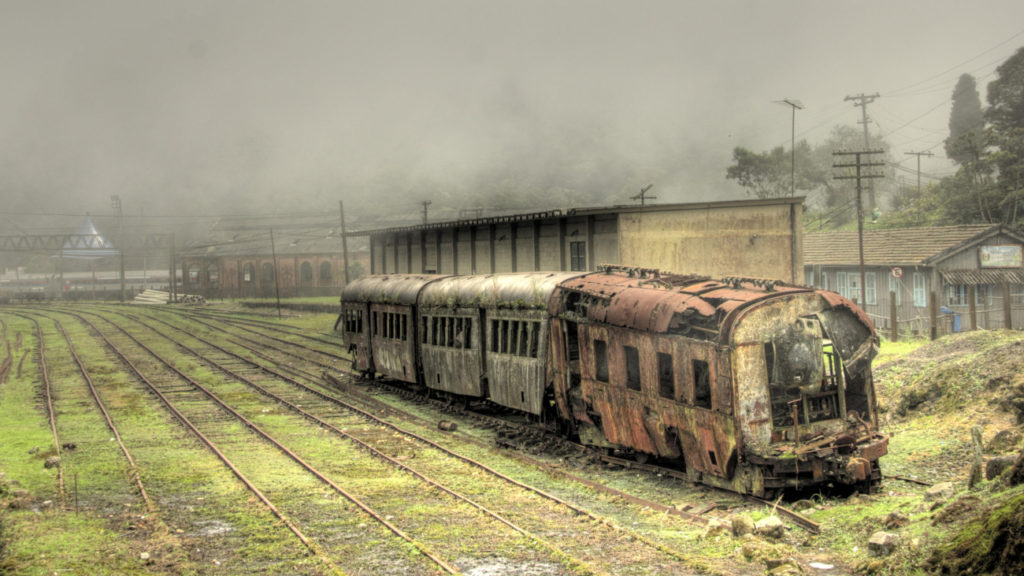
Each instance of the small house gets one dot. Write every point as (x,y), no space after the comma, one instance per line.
(973,274)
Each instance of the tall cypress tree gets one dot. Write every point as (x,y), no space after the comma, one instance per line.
(966,122)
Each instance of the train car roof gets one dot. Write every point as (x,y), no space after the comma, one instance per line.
(651,302)
(388,288)
(505,290)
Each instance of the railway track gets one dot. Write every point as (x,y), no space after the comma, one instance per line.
(702,508)
(532,512)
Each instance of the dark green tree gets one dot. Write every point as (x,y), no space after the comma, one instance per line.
(770,174)
(1005,116)
(966,122)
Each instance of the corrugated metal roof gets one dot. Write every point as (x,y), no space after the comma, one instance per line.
(902,246)
(980,277)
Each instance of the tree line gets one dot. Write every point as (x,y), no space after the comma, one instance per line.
(985,143)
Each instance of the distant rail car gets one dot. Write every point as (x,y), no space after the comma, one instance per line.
(750,385)
(78,285)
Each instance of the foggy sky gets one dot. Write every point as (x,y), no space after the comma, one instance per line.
(260,106)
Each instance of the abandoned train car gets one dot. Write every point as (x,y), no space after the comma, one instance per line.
(749,385)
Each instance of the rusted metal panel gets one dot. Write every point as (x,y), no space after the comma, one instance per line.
(393,357)
(453,362)
(516,349)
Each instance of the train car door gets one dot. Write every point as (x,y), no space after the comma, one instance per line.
(355,331)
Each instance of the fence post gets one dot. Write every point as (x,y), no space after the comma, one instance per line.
(893,316)
(972,307)
(933,316)
(1007,307)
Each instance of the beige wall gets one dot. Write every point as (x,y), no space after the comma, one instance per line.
(750,240)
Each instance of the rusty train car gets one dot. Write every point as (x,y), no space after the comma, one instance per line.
(750,385)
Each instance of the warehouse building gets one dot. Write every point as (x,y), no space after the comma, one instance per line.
(750,238)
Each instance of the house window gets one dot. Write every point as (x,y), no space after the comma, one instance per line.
(306,273)
(956,295)
(870,296)
(600,360)
(666,376)
(212,275)
(632,367)
(894,287)
(248,272)
(920,292)
(824,280)
(853,287)
(983,294)
(578,255)
(841,286)
(809,277)
(325,272)
(193,274)
(1017,294)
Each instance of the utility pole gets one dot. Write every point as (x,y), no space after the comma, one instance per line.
(277,286)
(795,105)
(863,100)
(642,196)
(344,240)
(918,154)
(425,204)
(115,201)
(859,175)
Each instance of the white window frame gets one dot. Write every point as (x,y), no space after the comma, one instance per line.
(920,291)
(870,293)
(956,295)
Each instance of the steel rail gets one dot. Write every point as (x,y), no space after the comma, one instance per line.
(50,415)
(571,562)
(312,546)
(578,510)
(134,474)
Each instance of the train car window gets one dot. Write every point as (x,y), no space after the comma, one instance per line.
(525,332)
(535,340)
(506,331)
(601,360)
(434,329)
(632,367)
(449,332)
(701,384)
(424,324)
(359,321)
(405,327)
(494,335)
(467,333)
(666,376)
(376,325)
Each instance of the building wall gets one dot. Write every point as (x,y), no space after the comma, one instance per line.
(754,240)
(231,283)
